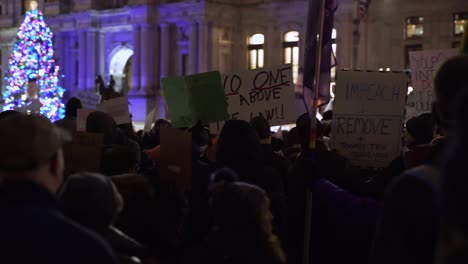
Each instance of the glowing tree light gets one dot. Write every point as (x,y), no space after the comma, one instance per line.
(32,78)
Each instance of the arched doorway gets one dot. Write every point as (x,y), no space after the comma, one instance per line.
(121,68)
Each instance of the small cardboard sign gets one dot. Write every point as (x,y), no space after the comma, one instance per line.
(194,98)
(89,100)
(176,156)
(83,153)
(368,116)
(118,109)
(424,66)
(267,91)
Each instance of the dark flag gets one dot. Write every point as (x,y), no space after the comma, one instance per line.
(363,9)
(311,45)
(464,46)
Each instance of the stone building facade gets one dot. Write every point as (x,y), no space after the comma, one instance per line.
(141,41)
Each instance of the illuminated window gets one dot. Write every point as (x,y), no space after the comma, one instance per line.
(256,51)
(459,21)
(414,27)
(291,51)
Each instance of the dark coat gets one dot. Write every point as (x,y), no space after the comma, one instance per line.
(342,224)
(33,230)
(275,160)
(230,249)
(407,231)
(239,149)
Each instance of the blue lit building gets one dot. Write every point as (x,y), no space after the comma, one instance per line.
(141,41)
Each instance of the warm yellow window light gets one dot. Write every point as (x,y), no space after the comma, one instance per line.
(33,5)
(291,36)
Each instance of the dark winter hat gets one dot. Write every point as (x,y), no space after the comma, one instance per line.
(421,128)
(72,106)
(91,199)
(261,126)
(28,141)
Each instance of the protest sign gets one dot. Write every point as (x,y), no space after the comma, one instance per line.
(368,116)
(150,119)
(83,153)
(89,100)
(82,116)
(424,66)
(176,156)
(118,109)
(195,98)
(267,91)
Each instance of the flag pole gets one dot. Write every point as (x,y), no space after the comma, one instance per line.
(356,35)
(313,113)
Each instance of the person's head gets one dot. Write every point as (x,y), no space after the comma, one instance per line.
(262,128)
(419,130)
(454,185)
(238,142)
(241,208)
(91,199)
(303,124)
(327,115)
(100,122)
(31,150)
(8,113)
(449,81)
(72,106)
(119,159)
(161,123)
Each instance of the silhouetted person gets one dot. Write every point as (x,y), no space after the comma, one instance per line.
(71,113)
(32,227)
(408,228)
(242,230)
(275,160)
(93,201)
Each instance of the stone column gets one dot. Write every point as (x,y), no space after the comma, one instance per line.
(146,58)
(193,48)
(156,57)
(202,46)
(82,60)
(101,54)
(136,73)
(91,57)
(165,50)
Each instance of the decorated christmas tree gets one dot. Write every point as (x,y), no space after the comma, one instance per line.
(32,78)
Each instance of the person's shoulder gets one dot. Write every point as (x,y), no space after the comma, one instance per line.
(90,244)
(416,181)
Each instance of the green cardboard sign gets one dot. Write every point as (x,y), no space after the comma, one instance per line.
(194,98)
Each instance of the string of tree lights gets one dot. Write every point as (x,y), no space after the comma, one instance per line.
(32,77)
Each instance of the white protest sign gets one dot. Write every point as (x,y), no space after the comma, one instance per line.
(118,109)
(150,119)
(424,66)
(89,100)
(267,91)
(368,116)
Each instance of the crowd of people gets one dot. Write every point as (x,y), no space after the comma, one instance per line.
(247,199)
